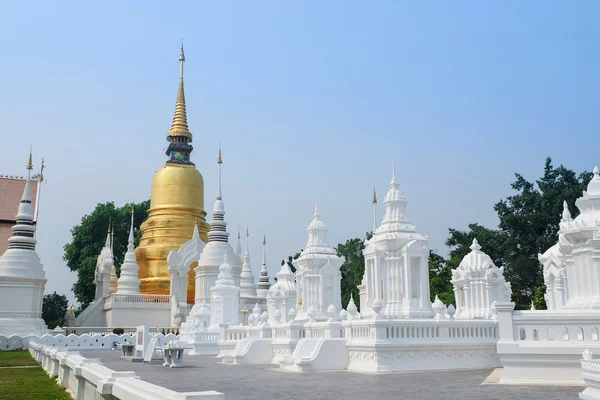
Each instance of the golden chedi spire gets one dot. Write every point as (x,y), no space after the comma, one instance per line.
(176,203)
(179,128)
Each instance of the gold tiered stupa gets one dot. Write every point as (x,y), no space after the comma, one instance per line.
(176,203)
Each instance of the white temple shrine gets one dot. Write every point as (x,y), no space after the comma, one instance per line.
(478,283)
(318,273)
(396,269)
(22,276)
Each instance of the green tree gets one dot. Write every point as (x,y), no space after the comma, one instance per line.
(529,224)
(290,261)
(440,275)
(530,219)
(89,237)
(353,268)
(54,308)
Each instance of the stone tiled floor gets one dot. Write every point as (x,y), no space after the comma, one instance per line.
(266,382)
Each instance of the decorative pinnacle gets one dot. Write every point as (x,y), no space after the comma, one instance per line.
(475,246)
(374,200)
(316,213)
(265,239)
(109,222)
(219,159)
(238,231)
(566,214)
(219,162)
(30,162)
(596,171)
(180,126)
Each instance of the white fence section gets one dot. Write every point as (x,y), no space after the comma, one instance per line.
(73,342)
(88,379)
(387,345)
(544,347)
(591,375)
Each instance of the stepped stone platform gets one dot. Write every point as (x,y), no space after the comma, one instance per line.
(248,382)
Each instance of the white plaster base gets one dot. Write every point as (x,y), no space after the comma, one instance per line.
(395,358)
(22,326)
(549,364)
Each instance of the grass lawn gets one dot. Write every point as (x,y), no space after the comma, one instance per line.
(26,383)
(16,359)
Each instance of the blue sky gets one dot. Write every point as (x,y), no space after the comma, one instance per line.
(310,100)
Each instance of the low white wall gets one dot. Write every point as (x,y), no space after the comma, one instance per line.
(544,347)
(591,375)
(88,379)
(74,342)
(421,344)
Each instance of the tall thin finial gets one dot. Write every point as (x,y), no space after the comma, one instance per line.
(112,239)
(238,231)
(247,234)
(394,182)
(264,239)
(219,162)
(109,223)
(30,162)
(180,125)
(264,260)
(374,202)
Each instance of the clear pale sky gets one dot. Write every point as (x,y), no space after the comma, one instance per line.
(311,101)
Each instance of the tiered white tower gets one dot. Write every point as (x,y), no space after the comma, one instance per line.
(22,276)
(129,281)
(396,268)
(281,297)
(216,248)
(247,285)
(318,273)
(225,298)
(478,283)
(579,242)
(555,273)
(104,266)
(263,279)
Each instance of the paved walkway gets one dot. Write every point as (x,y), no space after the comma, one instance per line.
(266,382)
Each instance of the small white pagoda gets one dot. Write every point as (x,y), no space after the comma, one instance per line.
(22,276)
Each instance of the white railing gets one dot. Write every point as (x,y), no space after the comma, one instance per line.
(551,326)
(140,298)
(89,379)
(252,301)
(422,331)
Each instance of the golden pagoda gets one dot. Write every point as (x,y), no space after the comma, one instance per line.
(176,203)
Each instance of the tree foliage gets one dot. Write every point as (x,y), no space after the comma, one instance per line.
(54,308)
(529,224)
(89,237)
(439,278)
(353,268)
(290,261)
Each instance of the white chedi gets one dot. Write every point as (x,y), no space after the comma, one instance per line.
(247,285)
(318,273)
(129,281)
(225,298)
(579,242)
(216,248)
(281,297)
(22,276)
(396,264)
(478,283)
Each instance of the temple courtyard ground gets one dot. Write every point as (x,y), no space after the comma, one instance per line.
(267,382)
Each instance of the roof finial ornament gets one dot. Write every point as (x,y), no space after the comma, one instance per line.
(219,162)
(179,128)
(30,162)
(394,182)
(374,200)
(247,234)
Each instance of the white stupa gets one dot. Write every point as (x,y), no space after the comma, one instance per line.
(22,276)
(225,298)
(281,297)
(247,285)
(478,283)
(318,273)
(129,281)
(396,264)
(579,242)
(263,279)
(215,250)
